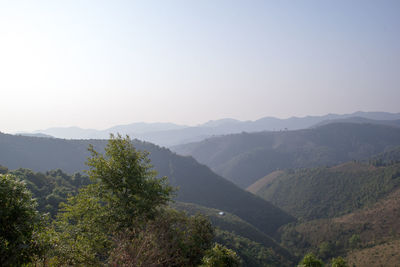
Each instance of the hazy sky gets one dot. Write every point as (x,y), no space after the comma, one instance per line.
(96,64)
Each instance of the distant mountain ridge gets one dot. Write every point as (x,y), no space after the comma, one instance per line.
(136,128)
(360,120)
(244,158)
(170,134)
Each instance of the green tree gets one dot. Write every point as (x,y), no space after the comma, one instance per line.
(325,250)
(339,262)
(121,218)
(220,256)
(127,183)
(354,241)
(310,260)
(19,220)
(80,233)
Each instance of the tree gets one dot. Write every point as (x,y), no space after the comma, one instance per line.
(339,262)
(19,220)
(354,241)
(122,217)
(220,256)
(310,260)
(127,183)
(80,233)
(325,250)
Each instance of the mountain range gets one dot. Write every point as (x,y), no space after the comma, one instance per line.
(332,189)
(246,157)
(170,134)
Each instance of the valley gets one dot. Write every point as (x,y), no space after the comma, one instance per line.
(332,190)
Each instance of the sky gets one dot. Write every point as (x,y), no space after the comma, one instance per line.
(96,64)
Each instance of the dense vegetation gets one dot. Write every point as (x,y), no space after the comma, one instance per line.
(330,192)
(121,218)
(245,158)
(233,225)
(346,210)
(19,222)
(197,183)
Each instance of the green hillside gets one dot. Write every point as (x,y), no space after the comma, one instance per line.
(329,192)
(371,229)
(245,158)
(256,248)
(196,182)
(232,227)
(350,210)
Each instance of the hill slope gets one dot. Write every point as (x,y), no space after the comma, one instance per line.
(196,182)
(233,224)
(329,192)
(371,229)
(245,158)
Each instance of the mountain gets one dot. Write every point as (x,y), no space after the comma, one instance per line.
(244,158)
(394,123)
(349,210)
(330,191)
(169,134)
(366,237)
(133,128)
(232,224)
(35,135)
(197,183)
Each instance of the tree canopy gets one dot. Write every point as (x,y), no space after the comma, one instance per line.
(18,222)
(122,218)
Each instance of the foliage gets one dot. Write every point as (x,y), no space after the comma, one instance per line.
(354,241)
(19,221)
(80,233)
(386,158)
(127,183)
(196,182)
(310,260)
(256,248)
(252,253)
(121,217)
(325,250)
(339,262)
(171,239)
(52,187)
(220,256)
(329,192)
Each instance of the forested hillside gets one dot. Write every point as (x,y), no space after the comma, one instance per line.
(245,158)
(52,188)
(347,210)
(196,182)
(330,191)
